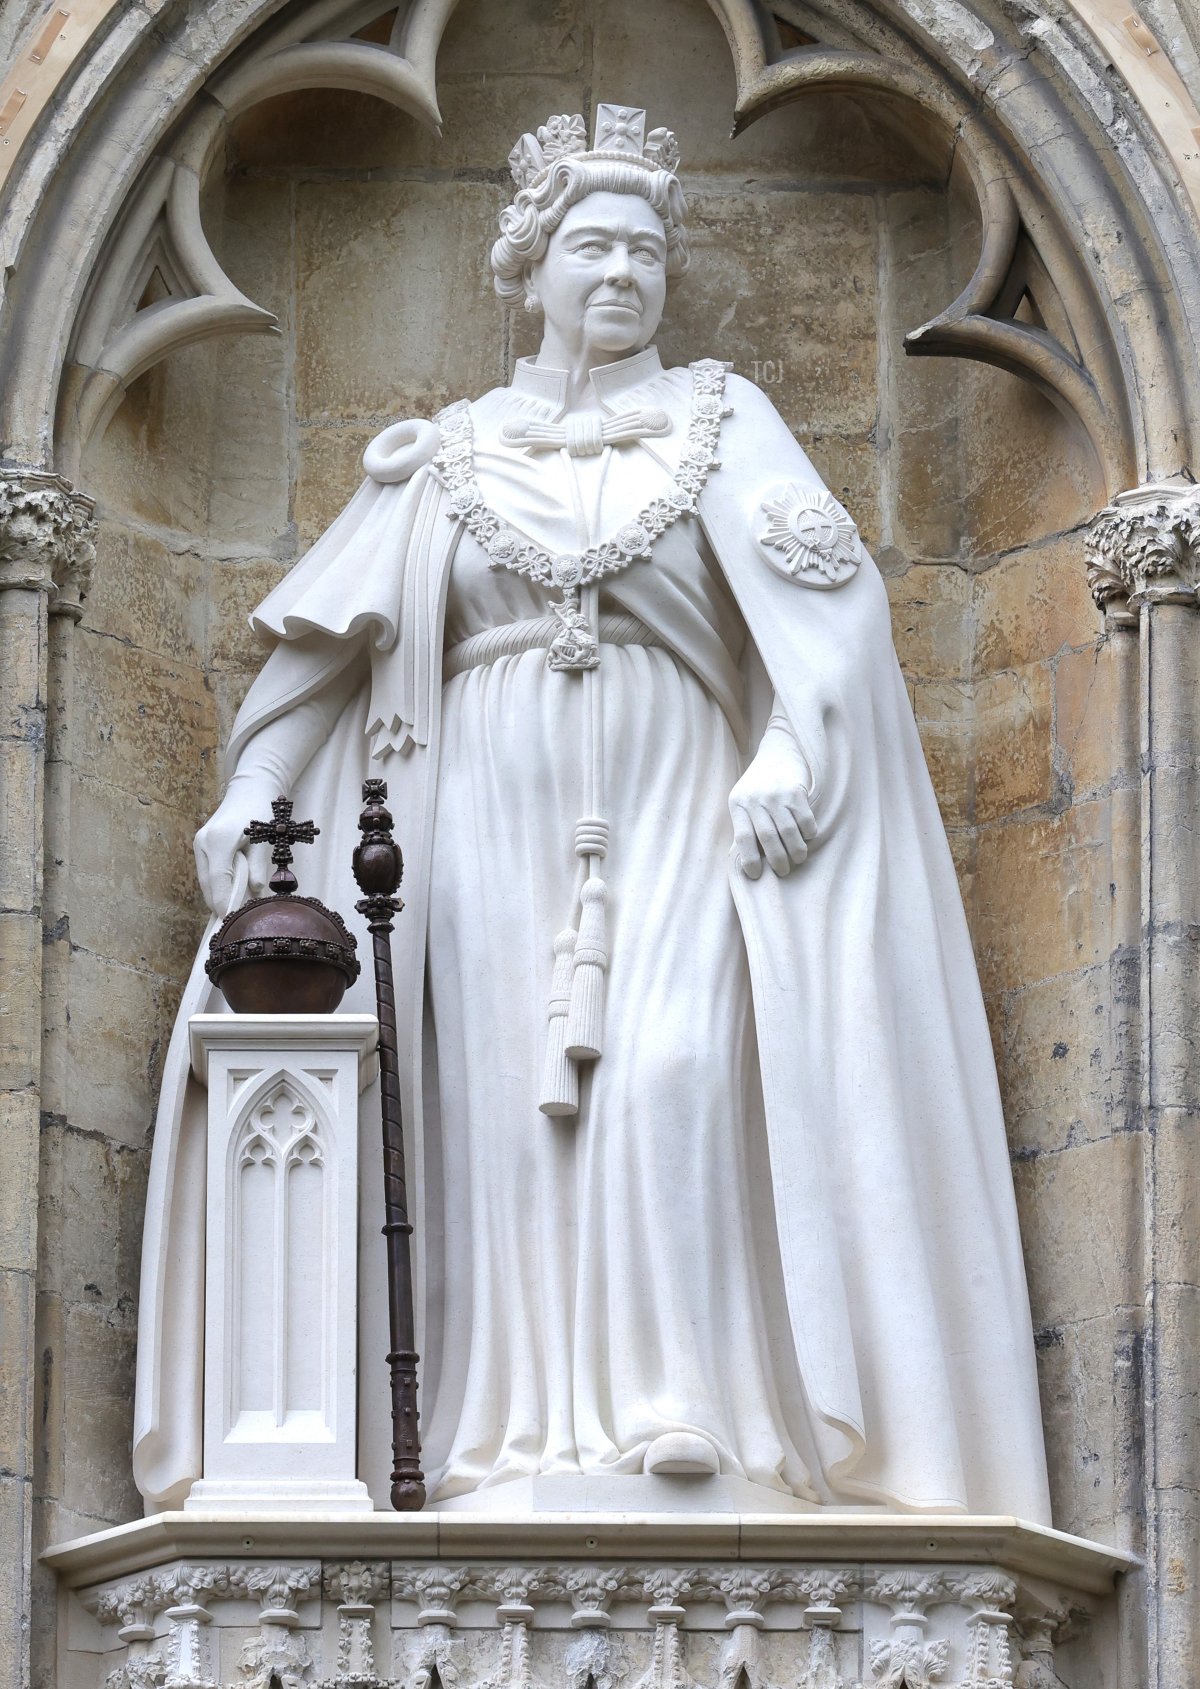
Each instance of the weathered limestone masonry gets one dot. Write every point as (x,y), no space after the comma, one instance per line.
(46,556)
(47,548)
(1144,566)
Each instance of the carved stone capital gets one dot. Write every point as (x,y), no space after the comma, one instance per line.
(357,1584)
(1145,549)
(47,538)
(276,1588)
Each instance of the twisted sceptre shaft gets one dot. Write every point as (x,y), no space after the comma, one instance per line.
(378,867)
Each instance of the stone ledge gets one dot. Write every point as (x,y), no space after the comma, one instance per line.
(917,1539)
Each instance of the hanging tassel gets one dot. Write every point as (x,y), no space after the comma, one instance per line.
(585,1018)
(560,1077)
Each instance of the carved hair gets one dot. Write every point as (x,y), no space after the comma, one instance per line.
(527,224)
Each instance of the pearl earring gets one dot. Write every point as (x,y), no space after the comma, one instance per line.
(531,302)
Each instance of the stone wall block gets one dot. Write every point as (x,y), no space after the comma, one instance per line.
(396,310)
(1177,1198)
(1085,1405)
(152,461)
(1066,1051)
(234,590)
(1012,743)
(1032,604)
(98,1369)
(20,1006)
(1090,696)
(120,1019)
(20,818)
(80,1173)
(328,472)
(48,1447)
(22,704)
(1058,871)
(850,467)
(1077,1228)
(1176,1597)
(17,1311)
(919,422)
(787,280)
(945,714)
(15,1526)
(1026,468)
(229,688)
(148,595)
(149,724)
(1176,1419)
(527,35)
(18,1179)
(135,898)
(931,621)
(253,240)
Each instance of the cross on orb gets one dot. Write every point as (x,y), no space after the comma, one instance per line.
(282,833)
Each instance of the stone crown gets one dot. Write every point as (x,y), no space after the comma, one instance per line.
(620,133)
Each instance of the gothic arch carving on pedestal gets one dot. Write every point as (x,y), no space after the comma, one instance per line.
(280,1185)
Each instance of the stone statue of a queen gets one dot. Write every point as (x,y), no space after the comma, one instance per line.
(703,1124)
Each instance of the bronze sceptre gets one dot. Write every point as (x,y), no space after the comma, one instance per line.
(378,868)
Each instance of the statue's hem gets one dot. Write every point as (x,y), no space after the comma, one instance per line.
(935,1538)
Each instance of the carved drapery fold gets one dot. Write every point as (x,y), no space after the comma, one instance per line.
(47,538)
(1144,549)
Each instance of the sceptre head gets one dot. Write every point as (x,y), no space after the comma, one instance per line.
(555,169)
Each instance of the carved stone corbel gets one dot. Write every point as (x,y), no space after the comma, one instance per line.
(356,1585)
(183,1592)
(990,1596)
(908,1660)
(515,1614)
(825,1591)
(1144,549)
(593,1655)
(665,1589)
(275,1654)
(130,1607)
(746,1591)
(436,1654)
(47,538)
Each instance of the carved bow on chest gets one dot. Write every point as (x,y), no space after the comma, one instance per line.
(587,435)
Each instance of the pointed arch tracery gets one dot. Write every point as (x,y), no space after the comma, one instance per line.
(1079,222)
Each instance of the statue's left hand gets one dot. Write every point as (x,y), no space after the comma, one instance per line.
(772,817)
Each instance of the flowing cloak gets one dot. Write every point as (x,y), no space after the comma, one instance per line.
(893,1194)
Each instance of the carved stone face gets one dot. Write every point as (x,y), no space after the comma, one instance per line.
(602,283)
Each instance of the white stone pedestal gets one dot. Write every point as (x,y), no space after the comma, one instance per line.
(280,1328)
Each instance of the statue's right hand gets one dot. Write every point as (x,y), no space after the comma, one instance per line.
(221,839)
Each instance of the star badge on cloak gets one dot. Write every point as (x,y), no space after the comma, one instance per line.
(809,537)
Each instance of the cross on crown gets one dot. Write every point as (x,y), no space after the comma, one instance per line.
(282,833)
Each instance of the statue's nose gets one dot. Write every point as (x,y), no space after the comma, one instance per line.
(618,270)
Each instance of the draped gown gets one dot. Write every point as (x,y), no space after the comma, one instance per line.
(613,1270)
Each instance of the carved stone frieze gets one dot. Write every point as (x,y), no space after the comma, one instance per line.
(47,538)
(622,1625)
(1145,549)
